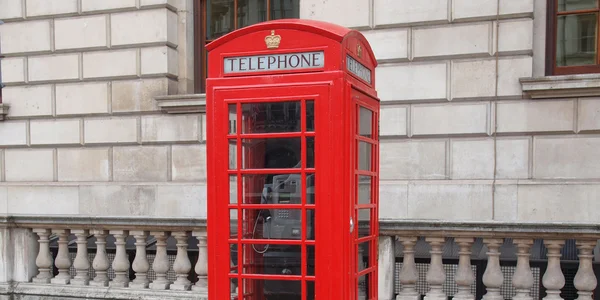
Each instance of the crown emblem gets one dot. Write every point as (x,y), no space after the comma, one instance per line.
(272,40)
(359,50)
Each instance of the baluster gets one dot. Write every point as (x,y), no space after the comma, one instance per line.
(553,280)
(161,262)
(436,276)
(62,261)
(82,262)
(202,264)
(523,277)
(464,273)
(492,277)
(100,262)
(44,258)
(182,265)
(409,274)
(140,262)
(585,279)
(121,262)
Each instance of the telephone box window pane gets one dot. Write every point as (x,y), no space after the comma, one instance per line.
(310,290)
(233,223)
(310,152)
(364,253)
(285,9)
(364,156)
(233,189)
(232,154)
(273,289)
(572,5)
(281,260)
(310,188)
(310,224)
(365,122)
(251,12)
(234,283)
(576,40)
(364,190)
(310,261)
(310,115)
(364,220)
(271,117)
(219,18)
(232,119)
(273,224)
(364,286)
(274,153)
(272,189)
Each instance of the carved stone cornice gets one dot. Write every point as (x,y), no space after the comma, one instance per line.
(182,104)
(580,85)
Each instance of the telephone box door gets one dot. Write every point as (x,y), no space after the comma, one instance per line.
(270,212)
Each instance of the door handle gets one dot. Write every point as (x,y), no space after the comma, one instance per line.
(351,224)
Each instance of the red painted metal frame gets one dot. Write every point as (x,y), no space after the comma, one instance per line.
(337,95)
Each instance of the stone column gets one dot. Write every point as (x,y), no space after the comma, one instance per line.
(523,277)
(553,280)
(101,262)
(464,273)
(63,261)
(161,262)
(585,280)
(140,262)
(492,277)
(385,270)
(81,263)
(182,265)
(44,258)
(121,262)
(436,276)
(409,274)
(202,264)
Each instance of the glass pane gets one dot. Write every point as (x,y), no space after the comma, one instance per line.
(310,257)
(571,5)
(310,189)
(364,286)
(233,285)
(232,154)
(310,224)
(272,189)
(364,156)
(279,153)
(310,115)
(363,255)
(274,224)
(284,260)
(310,290)
(219,18)
(232,119)
(251,12)
(271,117)
(233,224)
(310,152)
(576,40)
(364,190)
(364,219)
(285,9)
(274,289)
(233,189)
(365,122)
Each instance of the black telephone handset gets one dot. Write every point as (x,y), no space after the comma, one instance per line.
(265,199)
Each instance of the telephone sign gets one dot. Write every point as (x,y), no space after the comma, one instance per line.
(293,163)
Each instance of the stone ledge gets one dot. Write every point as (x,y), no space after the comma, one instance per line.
(91,222)
(182,104)
(3,111)
(581,85)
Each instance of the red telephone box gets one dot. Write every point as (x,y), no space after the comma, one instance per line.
(293,163)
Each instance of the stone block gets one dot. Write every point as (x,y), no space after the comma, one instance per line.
(589,114)
(35,8)
(11,9)
(412,81)
(393,120)
(547,203)
(536,116)
(408,11)
(473,78)
(506,202)
(29,165)
(82,98)
(43,200)
(159,60)
(516,7)
(13,69)
(487,9)
(3,200)
(144,27)
(96,5)
(180,201)
(566,157)
(455,118)
(13,133)
(203,125)
(393,201)
(336,11)
(79,164)
(512,157)
(416,159)
(164,128)
(28,101)
(450,201)
(189,162)
(25,37)
(510,70)
(111,130)
(138,95)
(82,32)
(147,163)
(53,67)
(515,35)
(117,200)
(144,3)
(388,43)
(117,63)
(441,40)
(472,159)
(55,132)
